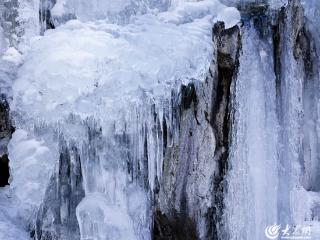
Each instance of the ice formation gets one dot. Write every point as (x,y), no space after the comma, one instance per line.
(152,119)
(98,73)
(254,171)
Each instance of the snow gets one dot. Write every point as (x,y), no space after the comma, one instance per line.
(187,11)
(230,16)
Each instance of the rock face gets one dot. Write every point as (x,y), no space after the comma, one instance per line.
(5,135)
(191,200)
(229,45)
(6,131)
(5,125)
(189,204)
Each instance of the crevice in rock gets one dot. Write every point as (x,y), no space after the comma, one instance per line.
(4,170)
(228,49)
(277,49)
(6,131)
(304,49)
(173,228)
(189,97)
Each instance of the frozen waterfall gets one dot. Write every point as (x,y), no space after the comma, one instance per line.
(160,119)
(252,181)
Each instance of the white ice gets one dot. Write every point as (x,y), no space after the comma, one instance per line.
(11,225)
(31,166)
(85,68)
(93,68)
(251,193)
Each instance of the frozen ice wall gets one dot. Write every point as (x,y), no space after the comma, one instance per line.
(27,19)
(251,194)
(274,156)
(273,4)
(121,11)
(2,42)
(114,10)
(105,89)
(31,162)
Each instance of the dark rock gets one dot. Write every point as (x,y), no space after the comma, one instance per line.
(277,29)
(227,41)
(6,131)
(304,49)
(188,96)
(187,202)
(228,51)
(173,228)
(4,170)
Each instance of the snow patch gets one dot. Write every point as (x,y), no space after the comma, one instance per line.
(230,16)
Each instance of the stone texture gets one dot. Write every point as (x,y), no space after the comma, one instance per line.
(187,203)
(6,131)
